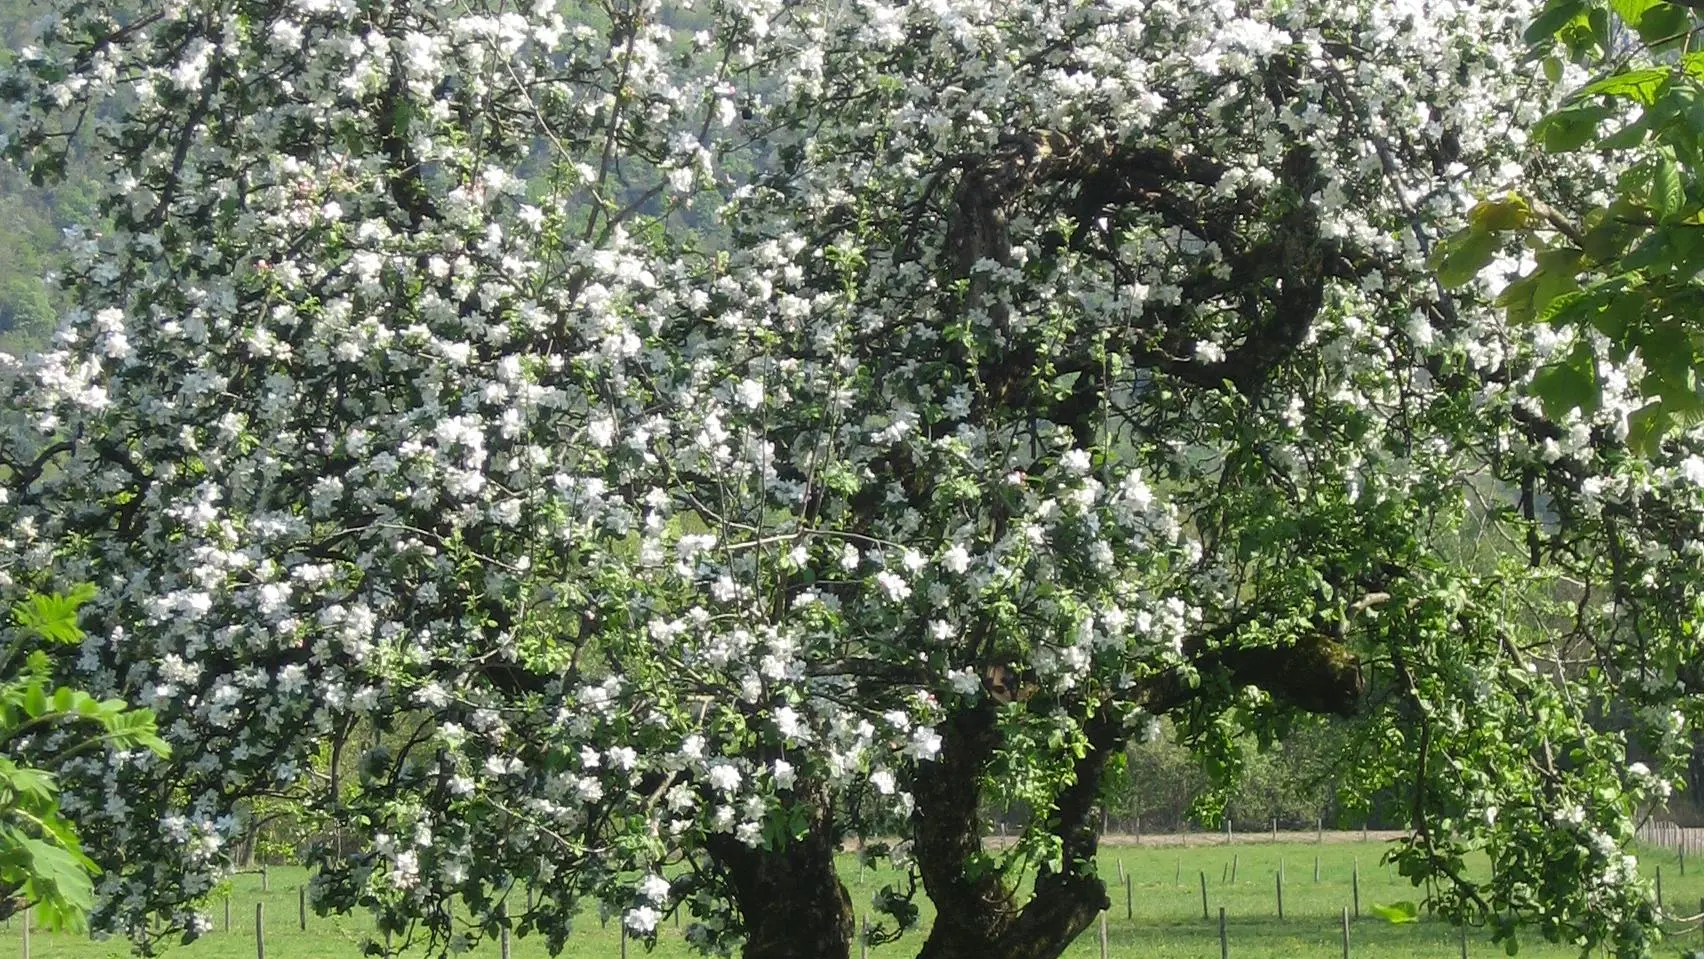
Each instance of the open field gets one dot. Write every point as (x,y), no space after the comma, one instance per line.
(1165,912)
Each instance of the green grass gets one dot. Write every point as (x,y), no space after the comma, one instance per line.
(1165,918)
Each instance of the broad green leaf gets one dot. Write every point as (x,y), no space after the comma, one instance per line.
(35,700)
(1556,13)
(1509,212)
(1663,26)
(1632,11)
(1570,128)
(1628,136)
(1646,428)
(1528,297)
(1640,86)
(1653,250)
(1598,18)
(1461,257)
(1607,230)
(61,869)
(1568,385)
(1668,193)
(1397,913)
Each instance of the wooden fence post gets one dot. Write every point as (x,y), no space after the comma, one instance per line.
(260,930)
(1204,896)
(1103,933)
(1355,886)
(1177,880)
(302,906)
(26,925)
(1274,828)
(1345,932)
(265,880)
(1224,940)
(1659,889)
(1464,940)
(227,912)
(1233,868)
(503,932)
(1129,898)
(1280,893)
(1319,829)
(1316,869)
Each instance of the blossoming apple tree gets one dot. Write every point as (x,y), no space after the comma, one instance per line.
(624,449)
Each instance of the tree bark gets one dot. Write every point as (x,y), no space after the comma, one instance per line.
(976,917)
(971,911)
(791,899)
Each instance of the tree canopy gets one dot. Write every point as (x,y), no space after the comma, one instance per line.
(658,442)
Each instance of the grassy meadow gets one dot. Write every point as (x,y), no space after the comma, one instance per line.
(1164,922)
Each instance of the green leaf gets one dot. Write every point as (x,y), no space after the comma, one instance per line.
(1652,251)
(61,869)
(35,700)
(1397,913)
(1598,18)
(53,616)
(1506,213)
(1668,194)
(1567,385)
(1628,136)
(1570,128)
(32,786)
(1646,427)
(1663,26)
(1461,257)
(1640,86)
(1555,15)
(1632,11)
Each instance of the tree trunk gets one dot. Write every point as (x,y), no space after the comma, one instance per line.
(976,916)
(971,911)
(791,899)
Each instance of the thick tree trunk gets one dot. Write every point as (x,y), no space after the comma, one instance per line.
(976,916)
(791,899)
(972,912)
